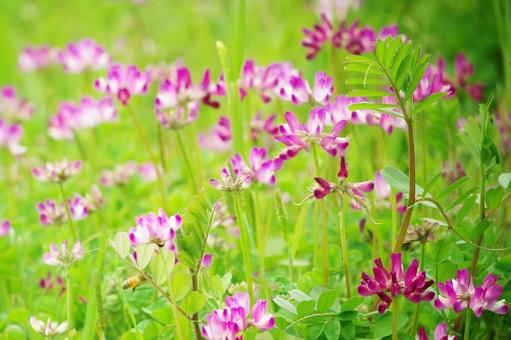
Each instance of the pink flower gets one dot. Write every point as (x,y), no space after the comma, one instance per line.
(48,329)
(5,228)
(206,260)
(147,171)
(78,208)
(354,39)
(260,168)
(323,88)
(83,55)
(34,58)
(324,188)
(10,137)
(120,175)
(258,126)
(57,172)
(94,199)
(412,284)
(434,81)
(49,282)
(52,213)
(227,323)
(219,137)
(464,70)
(316,38)
(440,333)
(460,293)
(297,89)
(63,257)
(124,82)
(158,229)
(88,113)
(230,181)
(12,107)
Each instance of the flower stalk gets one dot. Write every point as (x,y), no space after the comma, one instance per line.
(344,247)
(186,160)
(395,312)
(69,298)
(68,212)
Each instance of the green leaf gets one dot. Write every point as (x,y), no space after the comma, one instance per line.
(326,300)
(365,81)
(332,329)
(494,197)
(347,330)
(398,180)
(427,102)
(505,180)
(465,208)
(383,324)
(163,267)
(286,305)
(299,296)
(121,244)
(368,93)
(144,254)
(371,106)
(372,68)
(194,302)
(305,308)
(453,186)
(181,281)
(352,303)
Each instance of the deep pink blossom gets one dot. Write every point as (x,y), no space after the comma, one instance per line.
(440,333)
(317,37)
(229,322)
(412,284)
(35,58)
(10,137)
(259,169)
(5,227)
(157,229)
(94,199)
(57,172)
(464,70)
(63,256)
(434,81)
(259,125)
(123,82)
(219,137)
(83,55)
(12,107)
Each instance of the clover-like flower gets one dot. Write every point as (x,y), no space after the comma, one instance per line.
(123,82)
(157,229)
(464,70)
(51,213)
(48,329)
(434,81)
(57,172)
(63,257)
(219,137)
(82,56)
(412,284)
(317,37)
(298,91)
(260,168)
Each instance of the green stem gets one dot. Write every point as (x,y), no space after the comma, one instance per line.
(186,160)
(68,299)
(466,335)
(68,213)
(395,312)
(482,216)
(344,248)
(161,146)
(417,306)
(394,226)
(324,243)
(150,154)
(245,246)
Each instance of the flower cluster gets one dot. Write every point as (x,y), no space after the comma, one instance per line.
(156,229)
(123,82)
(258,125)
(434,81)
(57,172)
(12,107)
(460,293)
(83,55)
(52,213)
(297,90)
(63,257)
(49,282)
(412,284)
(10,137)
(87,114)
(230,181)
(227,323)
(260,169)
(48,329)
(35,58)
(122,173)
(355,191)
(464,70)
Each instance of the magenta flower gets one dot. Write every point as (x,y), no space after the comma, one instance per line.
(51,213)
(358,40)
(464,70)
(63,257)
(49,282)
(10,137)
(260,168)
(434,81)
(412,284)
(460,293)
(14,108)
(35,58)
(297,89)
(258,126)
(5,228)
(317,37)
(440,333)
(57,172)
(87,114)
(157,229)
(124,82)
(219,137)
(82,56)
(229,322)
(78,208)
(230,181)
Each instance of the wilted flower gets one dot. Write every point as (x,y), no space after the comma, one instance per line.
(87,114)
(229,181)
(434,81)
(34,58)
(422,233)
(123,82)
(227,323)
(48,329)
(57,172)
(412,284)
(157,229)
(260,169)
(464,70)
(10,137)
(460,293)
(12,107)
(219,137)
(82,56)
(5,228)
(63,257)
(440,333)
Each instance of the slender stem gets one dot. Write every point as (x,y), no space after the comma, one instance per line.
(316,212)
(344,248)
(245,246)
(195,316)
(149,152)
(395,312)
(482,216)
(69,299)
(411,189)
(188,165)
(68,213)
(161,146)
(415,323)
(466,335)
(324,243)
(394,226)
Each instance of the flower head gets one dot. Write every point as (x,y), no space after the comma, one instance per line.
(82,56)
(120,175)
(57,172)
(12,107)
(5,227)
(94,199)
(10,137)
(440,333)
(48,329)
(316,37)
(35,58)
(157,229)
(298,91)
(231,181)
(434,81)
(63,257)
(259,125)
(412,284)
(52,213)
(260,168)
(123,82)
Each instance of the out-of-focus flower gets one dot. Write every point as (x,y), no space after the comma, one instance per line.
(412,284)
(87,114)
(120,175)
(5,227)
(123,82)
(219,137)
(49,282)
(164,70)
(13,108)
(337,9)
(10,137)
(317,37)
(52,213)
(422,232)
(63,257)
(82,56)
(147,171)
(297,89)
(178,100)
(452,174)
(358,40)
(434,81)
(230,181)
(77,208)
(48,329)
(440,333)
(460,293)
(94,199)
(57,172)
(260,168)
(206,261)
(382,194)
(464,70)
(258,126)
(503,123)
(156,229)
(35,58)
(227,323)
